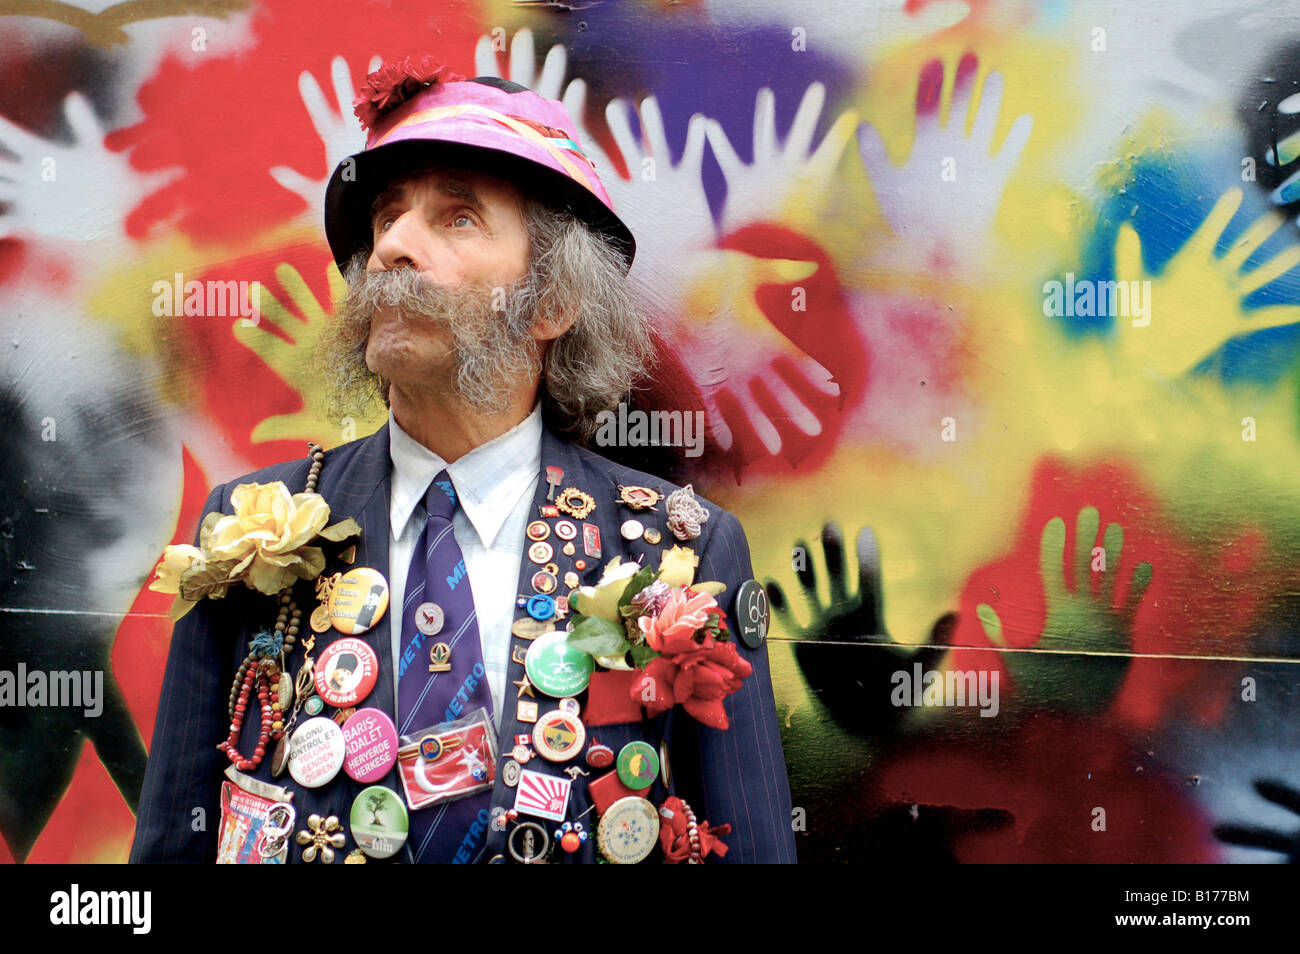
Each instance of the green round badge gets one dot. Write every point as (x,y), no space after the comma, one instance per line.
(379,822)
(555,667)
(638,765)
(313,705)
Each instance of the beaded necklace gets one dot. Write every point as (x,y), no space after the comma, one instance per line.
(265,666)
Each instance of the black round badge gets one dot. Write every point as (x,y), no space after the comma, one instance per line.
(752,614)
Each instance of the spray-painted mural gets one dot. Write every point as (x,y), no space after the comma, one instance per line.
(990,308)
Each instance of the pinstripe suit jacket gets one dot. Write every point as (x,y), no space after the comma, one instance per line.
(736,776)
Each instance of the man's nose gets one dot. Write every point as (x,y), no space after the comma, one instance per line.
(405,243)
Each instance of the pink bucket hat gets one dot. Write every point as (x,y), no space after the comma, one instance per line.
(419,113)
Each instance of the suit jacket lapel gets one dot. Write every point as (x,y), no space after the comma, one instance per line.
(361,488)
(555,453)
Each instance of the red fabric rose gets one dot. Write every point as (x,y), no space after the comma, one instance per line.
(698,681)
(394,83)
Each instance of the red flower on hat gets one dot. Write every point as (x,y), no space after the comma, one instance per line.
(394,83)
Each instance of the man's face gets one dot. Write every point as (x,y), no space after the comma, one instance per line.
(457,229)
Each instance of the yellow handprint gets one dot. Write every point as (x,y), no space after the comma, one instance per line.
(1195,302)
(290,357)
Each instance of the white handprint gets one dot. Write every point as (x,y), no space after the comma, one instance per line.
(758,191)
(81,192)
(663,204)
(338,130)
(523,64)
(952,183)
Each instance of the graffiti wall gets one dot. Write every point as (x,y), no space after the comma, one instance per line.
(989,311)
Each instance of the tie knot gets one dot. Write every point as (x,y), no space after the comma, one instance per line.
(440,499)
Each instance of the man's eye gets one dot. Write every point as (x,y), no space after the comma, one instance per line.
(462,219)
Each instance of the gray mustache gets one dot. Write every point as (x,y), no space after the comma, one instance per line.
(414,296)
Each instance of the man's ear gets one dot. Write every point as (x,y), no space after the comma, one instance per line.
(551,323)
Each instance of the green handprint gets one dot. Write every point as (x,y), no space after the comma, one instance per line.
(1058,671)
(290,355)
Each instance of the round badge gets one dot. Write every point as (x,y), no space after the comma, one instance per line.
(541,552)
(628,831)
(358,601)
(510,770)
(570,705)
(579,564)
(313,705)
(600,755)
(379,821)
(544,583)
(631,529)
(320,619)
(559,736)
(431,748)
(538,530)
(638,765)
(566,529)
(315,752)
(541,607)
(429,618)
(370,745)
(752,614)
(652,536)
(521,753)
(346,672)
(555,667)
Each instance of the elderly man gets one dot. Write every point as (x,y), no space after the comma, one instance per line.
(488,308)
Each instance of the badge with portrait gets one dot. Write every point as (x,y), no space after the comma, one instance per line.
(448,761)
(257,819)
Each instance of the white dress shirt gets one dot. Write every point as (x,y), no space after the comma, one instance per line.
(494,490)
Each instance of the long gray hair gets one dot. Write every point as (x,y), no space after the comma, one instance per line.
(572,271)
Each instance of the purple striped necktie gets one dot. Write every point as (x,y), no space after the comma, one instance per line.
(451,831)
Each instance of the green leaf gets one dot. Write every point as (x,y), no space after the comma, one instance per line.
(212,580)
(644,577)
(342,530)
(642,654)
(598,636)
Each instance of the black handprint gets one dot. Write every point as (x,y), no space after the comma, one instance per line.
(853,683)
(1265,838)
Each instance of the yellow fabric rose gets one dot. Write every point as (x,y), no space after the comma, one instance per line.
(176,560)
(677,566)
(267,534)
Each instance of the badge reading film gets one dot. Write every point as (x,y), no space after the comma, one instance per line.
(358,600)
(555,667)
(379,822)
(346,672)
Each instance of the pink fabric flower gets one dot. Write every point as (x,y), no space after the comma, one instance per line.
(698,675)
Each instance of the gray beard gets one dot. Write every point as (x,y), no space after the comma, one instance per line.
(491,345)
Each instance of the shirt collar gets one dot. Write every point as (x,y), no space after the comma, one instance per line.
(488,479)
